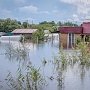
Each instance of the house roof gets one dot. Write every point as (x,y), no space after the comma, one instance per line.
(69,29)
(24,31)
(86,27)
(83,29)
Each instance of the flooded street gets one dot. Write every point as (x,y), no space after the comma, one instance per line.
(73,77)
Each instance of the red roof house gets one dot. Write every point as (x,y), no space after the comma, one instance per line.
(70,34)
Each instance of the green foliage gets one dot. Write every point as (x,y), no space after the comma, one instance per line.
(84,55)
(59,23)
(30,80)
(78,40)
(66,24)
(8,25)
(38,35)
(47,25)
(35,75)
(69,24)
(25,25)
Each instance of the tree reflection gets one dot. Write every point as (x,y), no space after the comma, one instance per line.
(20,54)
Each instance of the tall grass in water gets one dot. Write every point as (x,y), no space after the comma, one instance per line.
(80,57)
(84,56)
(30,79)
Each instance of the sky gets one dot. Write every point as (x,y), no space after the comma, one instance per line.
(45,10)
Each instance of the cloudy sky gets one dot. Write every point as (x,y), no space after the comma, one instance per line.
(45,10)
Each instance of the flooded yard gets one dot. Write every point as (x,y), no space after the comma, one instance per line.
(41,56)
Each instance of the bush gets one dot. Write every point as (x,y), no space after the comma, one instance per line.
(39,34)
(78,40)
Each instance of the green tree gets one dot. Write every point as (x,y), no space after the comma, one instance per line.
(25,25)
(69,24)
(59,23)
(39,34)
(8,25)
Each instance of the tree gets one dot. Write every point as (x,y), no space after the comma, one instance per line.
(8,25)
(59,23)
(25,25)
(39,34)
(69,24)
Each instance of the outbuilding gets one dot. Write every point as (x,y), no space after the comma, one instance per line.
(25,32)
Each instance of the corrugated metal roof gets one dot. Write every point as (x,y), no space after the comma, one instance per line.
(24,31)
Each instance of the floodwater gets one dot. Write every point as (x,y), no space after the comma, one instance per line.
(74,78)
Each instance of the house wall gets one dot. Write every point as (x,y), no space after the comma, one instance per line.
(77,36)
(27,35)
(64,39)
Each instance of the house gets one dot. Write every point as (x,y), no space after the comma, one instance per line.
(25,32)
(68,35)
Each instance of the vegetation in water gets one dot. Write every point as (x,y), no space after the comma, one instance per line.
(38,35)
(31,78)
(19,53)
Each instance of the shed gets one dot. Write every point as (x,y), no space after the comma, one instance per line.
(27,33)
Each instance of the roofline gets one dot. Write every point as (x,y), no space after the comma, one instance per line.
(70,26)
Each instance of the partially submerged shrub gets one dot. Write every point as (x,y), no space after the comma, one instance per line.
(31,79)
(38,35)
(84,55)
